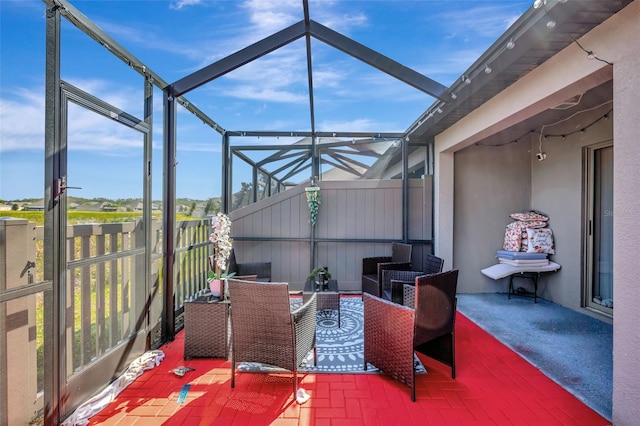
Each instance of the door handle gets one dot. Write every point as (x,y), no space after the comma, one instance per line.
(60,186)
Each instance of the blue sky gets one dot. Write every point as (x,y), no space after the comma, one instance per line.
(439,39)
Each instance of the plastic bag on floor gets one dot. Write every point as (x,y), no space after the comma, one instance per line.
(95,404)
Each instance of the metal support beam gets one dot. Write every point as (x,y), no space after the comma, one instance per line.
(312,117)
(238,59)
(405,189)
(169,209)
(226,175)
(381,62)
(254,184)
(147,200)
(54,239)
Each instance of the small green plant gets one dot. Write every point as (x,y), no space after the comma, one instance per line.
(211,275)
(312,276)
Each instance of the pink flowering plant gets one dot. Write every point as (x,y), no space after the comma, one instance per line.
(221,239)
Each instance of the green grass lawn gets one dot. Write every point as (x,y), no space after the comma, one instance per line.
(74,217)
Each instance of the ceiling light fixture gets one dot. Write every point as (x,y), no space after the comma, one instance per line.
(539,3)
(551,24)
(590,54)
(487,69)
(510,44)
(466,79)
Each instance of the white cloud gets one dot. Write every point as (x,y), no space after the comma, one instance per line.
(357,125)
(266,94)
(23,118)
(179,4)
(22,121)
(269,16)
(485,20)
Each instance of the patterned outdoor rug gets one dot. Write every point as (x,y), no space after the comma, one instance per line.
(339,349)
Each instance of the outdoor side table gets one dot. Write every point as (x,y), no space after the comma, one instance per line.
(327,298)
(206,328)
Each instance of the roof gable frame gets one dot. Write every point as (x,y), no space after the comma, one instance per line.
(307,27)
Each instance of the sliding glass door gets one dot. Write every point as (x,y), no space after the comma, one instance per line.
(600,215)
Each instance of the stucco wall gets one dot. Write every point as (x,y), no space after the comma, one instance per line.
(490,183)
(625,56)
(556,190)
(565,75)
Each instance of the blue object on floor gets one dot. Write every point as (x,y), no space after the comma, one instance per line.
(573,349)
(183,393)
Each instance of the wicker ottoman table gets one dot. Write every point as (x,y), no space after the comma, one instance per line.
(206,328)
(327,298)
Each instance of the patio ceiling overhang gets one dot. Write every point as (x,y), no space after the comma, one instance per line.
(528,43)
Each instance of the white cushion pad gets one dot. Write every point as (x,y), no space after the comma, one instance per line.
(502,270)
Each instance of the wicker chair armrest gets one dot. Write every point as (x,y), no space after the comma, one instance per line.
(398,275)
(307,308)
(404,275)
(397,291)
(304,319)
(390,266)
(399,266)
(409,295)
(370,264)
(396,266)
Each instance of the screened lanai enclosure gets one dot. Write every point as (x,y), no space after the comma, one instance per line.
(84,299)
(98,282)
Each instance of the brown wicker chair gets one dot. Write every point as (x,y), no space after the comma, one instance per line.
(372,267)
(393,332)
(264,330)
(394,282)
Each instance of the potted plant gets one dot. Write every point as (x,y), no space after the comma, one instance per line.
(320,276)
(222,244)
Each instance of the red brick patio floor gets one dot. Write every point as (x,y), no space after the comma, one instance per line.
(493,386)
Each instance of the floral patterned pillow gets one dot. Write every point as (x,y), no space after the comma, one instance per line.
(524,244)
(540,240)
(528,216)
(528,224)
(512,239)
(513,242)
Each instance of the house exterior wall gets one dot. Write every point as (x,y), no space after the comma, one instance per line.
(625,55)
(565,75)
(557,191)
(483,200)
